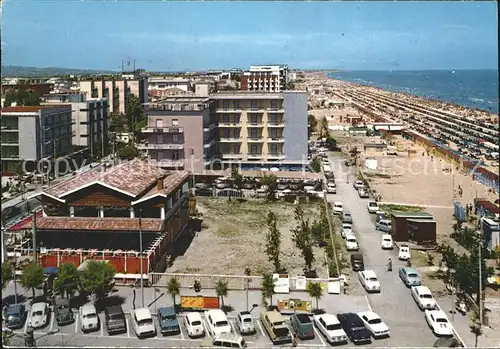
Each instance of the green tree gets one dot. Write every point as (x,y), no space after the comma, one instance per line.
(302,238)
(271,181)
(273,241)
(237,178)
(331,143)
(323,127)
(312,123)
(173,288)
(315,291)
(119,123)
(32,277)
(135,114)
(127,152)
(96,278)
(22,97)
(316,164)
(7,274)
(267,288)
(476,327)
(221,290)
(67,279)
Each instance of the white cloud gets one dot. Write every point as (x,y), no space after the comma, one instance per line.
(255,39)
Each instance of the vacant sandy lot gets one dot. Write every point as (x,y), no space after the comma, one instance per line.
(234,236)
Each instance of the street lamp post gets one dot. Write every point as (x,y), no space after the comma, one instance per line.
(140,256)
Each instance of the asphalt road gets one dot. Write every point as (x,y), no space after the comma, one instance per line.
(394,303)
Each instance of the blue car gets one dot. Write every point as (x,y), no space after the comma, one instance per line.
(15,316)
(410,277)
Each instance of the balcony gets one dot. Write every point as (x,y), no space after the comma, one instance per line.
(171,163)
(228,110)
(276,156)
(255,123)
(209,144)
(231,155)
(255,110)
(10,128)
(276,110)
(151,129)
(230,140)
(255,139)
(275,124)
(254,156)
(229,124)
(166,146)
(10,143)
(10,156)
(209,127)
(275,140)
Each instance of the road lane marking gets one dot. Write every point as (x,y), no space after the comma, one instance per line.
(76,323)
(128,327)
(319,336)
(368,302)
(260,328)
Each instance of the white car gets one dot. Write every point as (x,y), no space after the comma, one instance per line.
(217,322)
(39,315)
(338,208)
(142,322)
(331,328)
(423,297)
(331,188)
(358,184)
(351,243)
(245,324)
(384,225)
(372,207)
(438,322)
(369,280)
(386,242)
(346,230)
(89,318)
(404,253)
(374,324)
(194,325)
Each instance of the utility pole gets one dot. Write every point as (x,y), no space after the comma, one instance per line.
(480,284)
(141,262)
(33,222)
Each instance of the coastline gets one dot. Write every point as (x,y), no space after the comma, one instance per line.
(441,104)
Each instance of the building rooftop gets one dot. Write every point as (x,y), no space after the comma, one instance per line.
(411,214)
(98,224)
(416,220)
(33,109)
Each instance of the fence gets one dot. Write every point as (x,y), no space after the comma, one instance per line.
(459,212)
(234,282)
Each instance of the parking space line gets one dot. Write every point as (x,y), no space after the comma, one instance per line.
(260,328)
(205,327)
(232,326)
(319,336)
(76,323)
(28,319)
(368,302)
(308,345)
(52,322)
(128,327)
(180,331)
(102,328)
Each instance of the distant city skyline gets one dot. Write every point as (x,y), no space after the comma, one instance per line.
(189,36)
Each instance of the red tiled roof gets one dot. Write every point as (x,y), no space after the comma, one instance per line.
(32,109)
(25,222)
(169,183)
(132,177)
(97,224)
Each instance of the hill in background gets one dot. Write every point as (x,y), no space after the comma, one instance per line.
(18,71)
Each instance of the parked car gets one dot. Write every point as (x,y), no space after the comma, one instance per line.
(351,243)
(357,263)
(331,188)
(346,229)
(39,315)
(354,328)
(338,208)
(447,343)
(409,276)
(194,325)
(363,193)
(381,215)
(438,322)
(404,252)
(15,316)
(357,184)
(275,326)
(223,183)
(244,322)
(331,328)
(217,322)
(423,297)
(204,192)
(115,321)
(142,322)
(386,242)
(88,318)
(374,324)
(224,340)
(346,217)
(167,319)
(369,280)
(63,312)
(384,225)
(372,207)
(228,192)
(302,325)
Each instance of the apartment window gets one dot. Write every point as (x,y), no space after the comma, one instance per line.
(253,133)
(175,122)
(225,133)
(175,155)
(236,104)
(254,149)
(175,138)
(159,123)
(159,139)
(274,105)
(253,104)
(225,149)
(225,104)
(273,118)
(273,148)
(253,119)
(225,118)
(236,149)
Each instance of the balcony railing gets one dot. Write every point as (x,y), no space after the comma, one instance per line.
(228,110)
(255,139)
(254,155)
(231,155)
(255,110)
(276,110)
(275,124)
(255,123)
(10,128)
(275,140)
(172,146)
(276,156)
(10,156)
(171,163)
(230,140)
(229,124)
(152,129)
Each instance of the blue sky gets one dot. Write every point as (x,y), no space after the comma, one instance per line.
(216,35)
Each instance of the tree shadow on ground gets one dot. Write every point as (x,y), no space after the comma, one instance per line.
(226,308)
(318,311)
(110,301)
(11,299)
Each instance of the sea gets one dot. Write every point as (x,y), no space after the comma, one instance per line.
(476,89)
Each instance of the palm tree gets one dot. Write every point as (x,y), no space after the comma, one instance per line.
(315,291)
(221,290)
(267,287)
(32,277)
(173,288)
